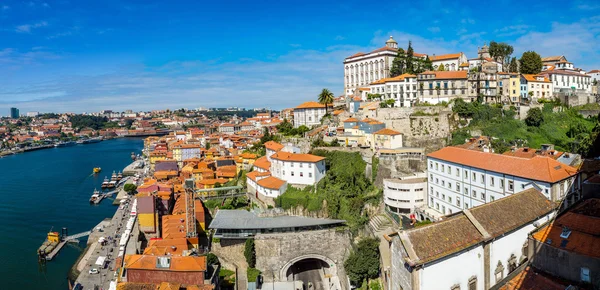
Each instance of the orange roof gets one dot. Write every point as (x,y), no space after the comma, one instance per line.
(272,145)
(394,79)
(350,120)
(271,182)
(537,168)
(532,78)
(309,105)
(337,112)
(356,54)
(387,131)
(179,264)
(529,279)
(248,155)
(212,181)
(262,163)
(461,74)
(464,64)
(287,156)
(364,89)
(445,56)
(254,174)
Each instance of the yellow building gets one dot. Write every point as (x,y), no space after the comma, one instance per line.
(509,85)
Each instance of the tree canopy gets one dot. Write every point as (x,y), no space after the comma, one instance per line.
(513,67)
(501,52)
(363,262)
(530,63)
(326,97)
(398,64)
(534,117)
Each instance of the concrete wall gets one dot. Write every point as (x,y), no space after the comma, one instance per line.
(230,253)
(275,251)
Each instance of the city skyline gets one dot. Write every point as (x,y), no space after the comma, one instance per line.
(74,57)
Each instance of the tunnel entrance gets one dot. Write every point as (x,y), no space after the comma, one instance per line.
(313,272)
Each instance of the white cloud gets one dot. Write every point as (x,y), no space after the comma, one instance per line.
(577,41)
(512,30)
(339,37)
(467,21)
(434,29)
(5,7)
(26,28)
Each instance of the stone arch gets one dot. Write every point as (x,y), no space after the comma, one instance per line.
(332,264)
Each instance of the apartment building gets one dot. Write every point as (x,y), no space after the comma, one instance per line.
(309,114)
(461,179)
(438,86)
(402,89)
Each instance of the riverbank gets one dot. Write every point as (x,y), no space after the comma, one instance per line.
(48,190)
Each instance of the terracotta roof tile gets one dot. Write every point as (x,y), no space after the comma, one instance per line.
(387,131)
(537,168)
(445,56)
(272,145)
(310,105)
(271,182)
(461,74)
(287,156)
(262,163)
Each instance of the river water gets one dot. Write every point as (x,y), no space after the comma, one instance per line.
(48,189)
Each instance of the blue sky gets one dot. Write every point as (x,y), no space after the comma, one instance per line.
(85,56)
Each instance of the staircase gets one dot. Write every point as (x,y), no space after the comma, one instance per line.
(379,223)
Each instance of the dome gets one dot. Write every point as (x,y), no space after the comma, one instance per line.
(391,40)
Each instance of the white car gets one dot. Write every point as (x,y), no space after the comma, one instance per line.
(94,271)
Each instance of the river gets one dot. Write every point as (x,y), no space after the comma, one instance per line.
(47,189)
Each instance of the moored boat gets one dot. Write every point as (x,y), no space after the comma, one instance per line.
(105,183)
(95,196)
(52,240)
(97,170)
(114,176)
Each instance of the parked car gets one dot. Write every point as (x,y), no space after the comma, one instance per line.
(94,271)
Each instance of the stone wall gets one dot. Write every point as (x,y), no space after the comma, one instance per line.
(275,252)
(417,122)
(230,253)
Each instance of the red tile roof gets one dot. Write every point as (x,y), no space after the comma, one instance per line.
(386,131)
(262,163)
(445,56)
(272,145)
(461,74)
(271,182)
(310,105)
(536,168)
(286,156)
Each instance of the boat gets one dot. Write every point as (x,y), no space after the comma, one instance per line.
(97,170)
(65,144)
(119,176)
(52,240)
(114,176)
(91,140)
(105,183)
(96,197)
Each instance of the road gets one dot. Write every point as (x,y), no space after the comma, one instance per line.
(309,271)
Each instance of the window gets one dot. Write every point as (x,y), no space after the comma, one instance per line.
(501,182)
(309,165)
(449,199)
(310,174)
(291,164)
(301,174)
(442,167)
(437,206)
(300,165)
(474,177)
(466,191)
(431,176)
(482,178)
(292,173)
(474,193)
(466,205)
(483,196)
(437,194)
(458,201)
(466,174)
(472,283)
(437,181)
(443,196)
(449,185)
(436,166)
(585,274)
(443,209)
(457,172)
(449,170)
(443,183)
(492,181)
(492,198)
(458,187)
(510,185)
(431,202)
(431,189)
(431,164)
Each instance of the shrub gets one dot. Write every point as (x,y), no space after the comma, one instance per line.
(250,253)
(253,274)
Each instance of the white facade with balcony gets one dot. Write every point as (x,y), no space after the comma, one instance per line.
(402,196)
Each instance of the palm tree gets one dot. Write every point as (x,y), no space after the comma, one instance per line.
(326,98)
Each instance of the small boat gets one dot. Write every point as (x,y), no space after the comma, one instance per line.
(114,176)
(65,144)
(97,170)
(112,184)
(49,244)
(105,183)
(119,175)
(95,196)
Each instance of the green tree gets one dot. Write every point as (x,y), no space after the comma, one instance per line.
(534,117)
(409,59)
(129,187)
(398,64)
(207,145)
(441,68)
(363,263)
(530,63)
(501,52)
(513,67)
(250,253)
(326,98)
(427,64)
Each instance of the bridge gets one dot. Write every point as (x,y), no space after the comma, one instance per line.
(220,192)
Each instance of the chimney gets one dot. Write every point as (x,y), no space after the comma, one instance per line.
(525,149)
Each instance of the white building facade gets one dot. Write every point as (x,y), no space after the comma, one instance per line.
(402,89)
(361,69)
(309,114)
(402,196)
(450,62)
(460,178)
(303,169)
(469,250)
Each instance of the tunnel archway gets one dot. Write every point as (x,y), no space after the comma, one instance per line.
(319,270)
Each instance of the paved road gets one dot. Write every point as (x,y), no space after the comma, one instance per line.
(110,250)
(309,271)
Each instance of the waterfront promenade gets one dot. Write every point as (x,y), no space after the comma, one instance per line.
(50,189)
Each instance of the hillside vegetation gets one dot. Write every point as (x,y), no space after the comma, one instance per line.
(345,188)
(554,124)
